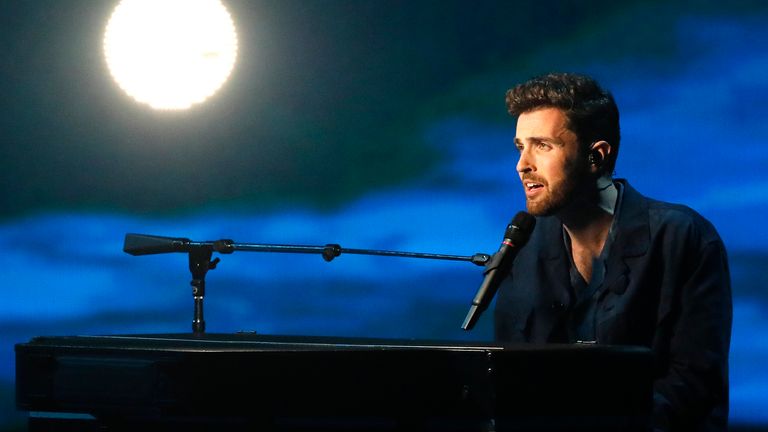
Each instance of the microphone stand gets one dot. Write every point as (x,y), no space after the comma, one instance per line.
(200,262)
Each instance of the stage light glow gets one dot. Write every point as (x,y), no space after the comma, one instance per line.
(170,54)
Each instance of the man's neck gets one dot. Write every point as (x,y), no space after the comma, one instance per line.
(588,218)
(588,229)
(588,232)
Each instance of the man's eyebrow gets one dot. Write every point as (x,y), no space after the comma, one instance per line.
(537,140)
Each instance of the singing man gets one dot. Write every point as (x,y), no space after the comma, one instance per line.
(608,265)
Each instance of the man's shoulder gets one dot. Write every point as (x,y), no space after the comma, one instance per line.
(669,217)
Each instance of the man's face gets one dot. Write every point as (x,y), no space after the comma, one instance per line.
(551,166)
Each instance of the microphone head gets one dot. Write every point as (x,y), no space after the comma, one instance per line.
(143,244)
(520,228)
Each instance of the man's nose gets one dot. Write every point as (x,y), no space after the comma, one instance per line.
(524,162)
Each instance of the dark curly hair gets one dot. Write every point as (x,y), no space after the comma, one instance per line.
(591,111)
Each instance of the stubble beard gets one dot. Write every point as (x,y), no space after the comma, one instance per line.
(559,195)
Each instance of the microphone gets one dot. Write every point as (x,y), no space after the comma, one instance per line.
(515,237)
(142,244)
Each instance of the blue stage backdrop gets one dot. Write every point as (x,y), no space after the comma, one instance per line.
(371,124)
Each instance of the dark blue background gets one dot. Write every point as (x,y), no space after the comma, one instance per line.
(371,124)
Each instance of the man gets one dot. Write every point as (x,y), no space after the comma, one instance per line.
(608,265)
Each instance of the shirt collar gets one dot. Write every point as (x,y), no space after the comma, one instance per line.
(608,194)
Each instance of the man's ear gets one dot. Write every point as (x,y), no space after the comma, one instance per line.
(599,152)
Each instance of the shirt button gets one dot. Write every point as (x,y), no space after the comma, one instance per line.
(558,306)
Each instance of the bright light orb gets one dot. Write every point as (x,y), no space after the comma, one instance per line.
(170,54)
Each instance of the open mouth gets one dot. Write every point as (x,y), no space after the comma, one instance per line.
(532,186)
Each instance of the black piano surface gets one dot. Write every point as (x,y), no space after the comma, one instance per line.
(247,381)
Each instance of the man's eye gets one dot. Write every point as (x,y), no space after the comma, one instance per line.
(543,146)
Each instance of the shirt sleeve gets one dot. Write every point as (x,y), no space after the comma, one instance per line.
(695,386)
